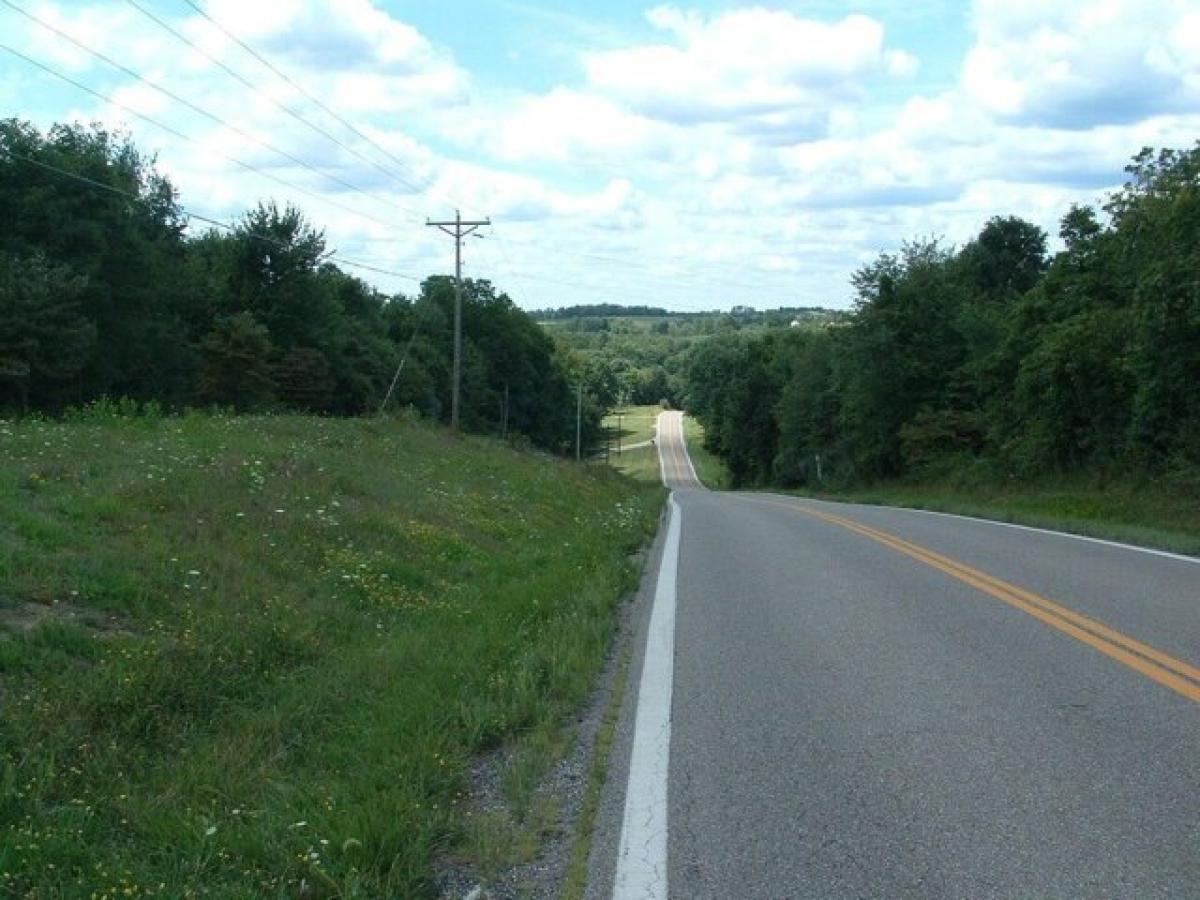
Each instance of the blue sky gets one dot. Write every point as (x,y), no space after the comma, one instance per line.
(694,155)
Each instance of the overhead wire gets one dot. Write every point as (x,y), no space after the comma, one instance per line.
(198,109)
(279,73)
(500,239)
(191,214)
(193,140)
(245,82)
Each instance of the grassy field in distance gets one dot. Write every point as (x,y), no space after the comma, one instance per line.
(636,423)
(257,656)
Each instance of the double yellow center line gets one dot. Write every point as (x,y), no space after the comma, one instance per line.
(1166,670)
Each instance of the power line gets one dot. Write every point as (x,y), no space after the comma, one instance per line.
(198,109)
(260,92)
(623,261)
(179,134)
(225,226)
(297,87)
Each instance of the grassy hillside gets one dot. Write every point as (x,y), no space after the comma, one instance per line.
(255,656)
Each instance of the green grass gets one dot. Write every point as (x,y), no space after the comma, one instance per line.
(640,464)
(636,423)
(256,656)
(1147,514)
(575,884)
(710,468)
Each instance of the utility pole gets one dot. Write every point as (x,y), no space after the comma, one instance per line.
(504,414)
(458,229)
(579,424)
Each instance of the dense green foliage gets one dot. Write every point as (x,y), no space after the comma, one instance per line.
(104,293)
(995,359)
(637,357)
(596,310)
(258,656)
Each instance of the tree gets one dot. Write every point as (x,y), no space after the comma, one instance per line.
(122,231)
(303,380)
(237,369)
(1006,260)
(45,340)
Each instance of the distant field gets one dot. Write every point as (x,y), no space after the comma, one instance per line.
(636,423)
(258,656)
(642,463)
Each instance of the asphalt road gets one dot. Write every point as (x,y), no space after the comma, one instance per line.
(871,702)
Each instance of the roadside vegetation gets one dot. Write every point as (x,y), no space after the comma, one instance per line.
(710,469)
(256,656)
(1057,387)
(1144,513)
(640,464)
(107,290)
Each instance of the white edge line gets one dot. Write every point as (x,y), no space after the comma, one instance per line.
(686,454)
(642,854)
(662,464)
(1166,554)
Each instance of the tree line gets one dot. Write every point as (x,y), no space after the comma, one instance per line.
(641,359)
(104,292)
(995,360)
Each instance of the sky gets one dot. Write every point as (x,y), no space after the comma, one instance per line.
(692,155)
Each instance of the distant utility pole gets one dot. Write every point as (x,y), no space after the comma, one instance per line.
(504,414)
(458,229)
(579,424)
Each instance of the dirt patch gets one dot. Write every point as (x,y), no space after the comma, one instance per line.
(24,616)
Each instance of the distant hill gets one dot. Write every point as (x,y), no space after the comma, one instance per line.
(638,354)
(741,314)
(596,310)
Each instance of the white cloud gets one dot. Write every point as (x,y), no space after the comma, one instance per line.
(566,124)
(748,156)
(901,64)
(1080,63)
(514,197)
(741,64)
(332,35)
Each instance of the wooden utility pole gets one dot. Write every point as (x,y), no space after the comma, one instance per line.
(458,229)
(579,424)
(504,414)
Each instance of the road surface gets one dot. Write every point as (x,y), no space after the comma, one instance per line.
(851,701)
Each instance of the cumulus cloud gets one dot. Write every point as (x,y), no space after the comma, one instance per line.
(737,155)
(902,64)
(1081,63)
(565,124)
(743,64)
(332,35)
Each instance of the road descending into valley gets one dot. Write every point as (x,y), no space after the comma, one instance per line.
(852,701)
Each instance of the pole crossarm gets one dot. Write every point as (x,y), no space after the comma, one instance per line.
(457,229)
